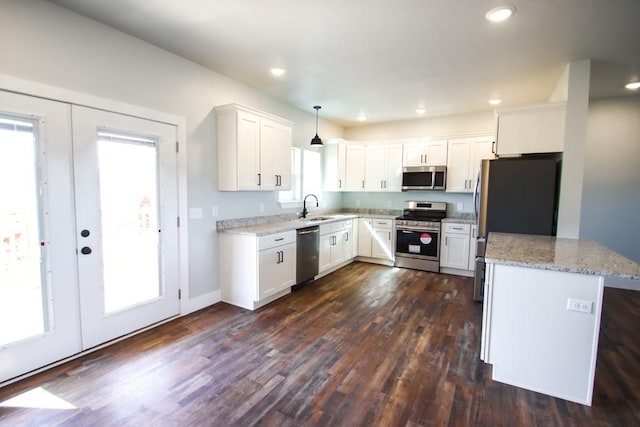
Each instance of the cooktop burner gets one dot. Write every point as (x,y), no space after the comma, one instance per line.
(423,211)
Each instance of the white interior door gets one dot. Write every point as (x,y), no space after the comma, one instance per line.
(39,319)
(125,173)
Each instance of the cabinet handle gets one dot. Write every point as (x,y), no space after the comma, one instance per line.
(363,183)
(493,145)
(446,241)
(281,256)
(339,183)
(389,236)
(346,237)
(456,228)
(259,179)
(279,239)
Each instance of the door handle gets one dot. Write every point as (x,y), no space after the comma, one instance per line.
(86,250)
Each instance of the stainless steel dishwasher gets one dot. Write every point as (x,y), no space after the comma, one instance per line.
(307,248)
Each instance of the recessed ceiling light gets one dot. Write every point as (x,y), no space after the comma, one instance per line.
(362,118)
(633,86)
(278,71)
(500,14)
(495,101)
(421,110)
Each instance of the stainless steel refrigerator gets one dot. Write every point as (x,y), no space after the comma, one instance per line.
(514,195)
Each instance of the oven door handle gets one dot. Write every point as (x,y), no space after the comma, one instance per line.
(412,229)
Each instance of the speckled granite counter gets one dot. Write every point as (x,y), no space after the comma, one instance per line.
(559,254)
(281,224)
(461,218)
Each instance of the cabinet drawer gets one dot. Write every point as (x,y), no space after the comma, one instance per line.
(382,223)
(455,228)
(331,227)
(276,239)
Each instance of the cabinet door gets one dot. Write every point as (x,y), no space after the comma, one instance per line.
(337,248)
(393,168)
(458,165)
(436,153)
(277,269)
(334,166)
(347,238)
(381,246)
(413,153)
(375,173)
(364,237)
(275,156)
(324,262)
(248,140)
(355,167)
(480,149)
(455,251)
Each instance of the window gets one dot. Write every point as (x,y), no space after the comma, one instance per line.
(306,177)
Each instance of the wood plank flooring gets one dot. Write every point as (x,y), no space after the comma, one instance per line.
(365,346)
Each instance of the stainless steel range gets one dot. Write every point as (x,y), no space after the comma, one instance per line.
(418,235)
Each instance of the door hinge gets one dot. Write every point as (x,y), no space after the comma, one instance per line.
(178,222)
(179,293)
(177,146)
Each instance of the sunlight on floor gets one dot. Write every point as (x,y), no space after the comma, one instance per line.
(37,398)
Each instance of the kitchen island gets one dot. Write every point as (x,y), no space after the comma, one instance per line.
(542,307)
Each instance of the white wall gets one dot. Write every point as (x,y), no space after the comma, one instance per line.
(47,44)
(611,196)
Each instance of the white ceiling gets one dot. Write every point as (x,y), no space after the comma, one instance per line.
(384,58)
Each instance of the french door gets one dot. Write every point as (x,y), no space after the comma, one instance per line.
(126,215)
(88,233)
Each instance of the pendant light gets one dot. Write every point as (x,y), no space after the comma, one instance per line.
(316,139)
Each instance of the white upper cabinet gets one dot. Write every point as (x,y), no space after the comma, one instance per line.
(532,129)
(383,167)
(355,167)
(424,152)
(254,150)
(463,161)
(334,159)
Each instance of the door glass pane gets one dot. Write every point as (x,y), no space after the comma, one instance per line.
(129,219)
(22,312)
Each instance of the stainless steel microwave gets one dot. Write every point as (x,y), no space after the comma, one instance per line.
(424,178)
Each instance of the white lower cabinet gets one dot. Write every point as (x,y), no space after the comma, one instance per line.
(255,270)
(454,252)
(336,245)
(376,238)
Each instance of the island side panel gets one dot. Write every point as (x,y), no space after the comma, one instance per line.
(534,341)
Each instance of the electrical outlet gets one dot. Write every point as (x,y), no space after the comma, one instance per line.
(357,203)
(214,212)
(195,213)
(581,306)
(261,207)
(388,203)
(460,206)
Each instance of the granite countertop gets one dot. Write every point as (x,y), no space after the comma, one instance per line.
(559,254)
(264,229)
(461,218)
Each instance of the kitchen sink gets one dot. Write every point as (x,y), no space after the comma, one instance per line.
(318,218)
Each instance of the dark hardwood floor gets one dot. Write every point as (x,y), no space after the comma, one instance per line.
(368,345)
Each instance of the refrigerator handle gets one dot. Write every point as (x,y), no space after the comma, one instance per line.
(476,193)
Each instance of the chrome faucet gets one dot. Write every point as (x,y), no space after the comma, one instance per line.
(304,204)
